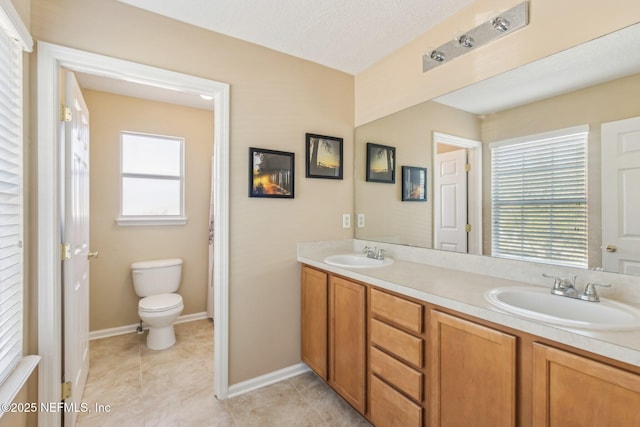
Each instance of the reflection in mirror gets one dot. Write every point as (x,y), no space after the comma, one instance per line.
(562,91)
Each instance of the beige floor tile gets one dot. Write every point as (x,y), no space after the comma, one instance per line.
(174,388)
(278,405)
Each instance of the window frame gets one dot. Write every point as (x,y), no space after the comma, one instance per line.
(556,136)
(19,367)
(138,220)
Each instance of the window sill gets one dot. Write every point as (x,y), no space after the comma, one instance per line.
(147,221)
(17,379)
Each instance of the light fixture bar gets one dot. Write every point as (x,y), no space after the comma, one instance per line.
(505,23)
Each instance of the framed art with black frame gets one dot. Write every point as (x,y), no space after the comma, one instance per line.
(381,163)
(271,173)
(323,156)
(414,184)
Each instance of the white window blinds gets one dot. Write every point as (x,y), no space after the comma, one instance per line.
(11,214)
(539,198)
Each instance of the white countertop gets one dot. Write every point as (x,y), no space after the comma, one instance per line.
(464,292)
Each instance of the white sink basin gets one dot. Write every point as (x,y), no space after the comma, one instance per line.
(356,261)
(539,304)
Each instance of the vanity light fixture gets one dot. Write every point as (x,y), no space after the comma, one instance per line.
(466,41)
(437,56)
(506,23)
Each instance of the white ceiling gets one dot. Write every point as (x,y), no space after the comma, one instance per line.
(351,35)
(348,35)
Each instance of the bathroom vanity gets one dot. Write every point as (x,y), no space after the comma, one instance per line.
(413,344)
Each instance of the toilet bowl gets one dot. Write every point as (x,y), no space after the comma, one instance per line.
(157,281)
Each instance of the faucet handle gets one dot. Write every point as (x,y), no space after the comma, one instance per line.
(556,280)
(590,293)
(366,249)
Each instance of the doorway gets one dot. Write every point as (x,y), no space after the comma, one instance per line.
(51,58)
(470,190)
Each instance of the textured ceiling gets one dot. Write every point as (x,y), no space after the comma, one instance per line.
(348,35)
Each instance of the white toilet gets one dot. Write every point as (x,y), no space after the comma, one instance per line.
(157,281)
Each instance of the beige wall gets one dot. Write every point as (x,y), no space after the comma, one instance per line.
(275,99)
(397,82)
(387,217)
(113,300)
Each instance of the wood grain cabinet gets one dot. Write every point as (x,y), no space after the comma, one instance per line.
(571,390)
(404,363)
(396,361)
(314,320)
(333,326)
(472,374)
(347,340)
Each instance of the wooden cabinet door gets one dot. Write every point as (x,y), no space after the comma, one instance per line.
(347,340)
(571,390)
(472,374)
(314,320)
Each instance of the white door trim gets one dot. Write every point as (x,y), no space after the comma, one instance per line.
(50,59)
(474,187)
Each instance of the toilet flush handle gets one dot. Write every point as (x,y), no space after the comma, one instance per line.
(93,255)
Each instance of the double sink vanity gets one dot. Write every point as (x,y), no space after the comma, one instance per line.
(411,338)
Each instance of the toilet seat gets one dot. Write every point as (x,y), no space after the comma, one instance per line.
(159,303)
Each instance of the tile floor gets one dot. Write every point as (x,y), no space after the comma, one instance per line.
(174,387)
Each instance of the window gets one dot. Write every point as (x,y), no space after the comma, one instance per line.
(152,179)
(539,197)
(14,368)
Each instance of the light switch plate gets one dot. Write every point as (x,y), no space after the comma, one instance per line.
(346,221)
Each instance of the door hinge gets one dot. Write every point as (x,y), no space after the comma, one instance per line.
(66,390)
(467,228)
(66,251)
(65,113)
(467,167)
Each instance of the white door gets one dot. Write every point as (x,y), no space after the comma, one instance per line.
(620,173)
(451,208)
(75,268)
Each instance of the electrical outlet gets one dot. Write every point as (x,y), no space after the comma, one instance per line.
(346,221)
(360,220)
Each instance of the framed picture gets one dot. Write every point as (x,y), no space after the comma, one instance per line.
(323,156)
(271,173)
(414,184)
(381,163)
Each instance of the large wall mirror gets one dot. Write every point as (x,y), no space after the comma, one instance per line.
(593,86)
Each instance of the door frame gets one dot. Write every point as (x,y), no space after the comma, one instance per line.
(474,186)
(51,58)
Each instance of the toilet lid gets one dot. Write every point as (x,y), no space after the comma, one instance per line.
(160,302)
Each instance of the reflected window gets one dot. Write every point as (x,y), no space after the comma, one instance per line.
(539,197)
(152,176)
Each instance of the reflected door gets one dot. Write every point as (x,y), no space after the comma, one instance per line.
(451,215)
(621,196)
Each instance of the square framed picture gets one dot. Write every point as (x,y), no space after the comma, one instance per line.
(414,184)
(323,156)
(271,173)
(381,163)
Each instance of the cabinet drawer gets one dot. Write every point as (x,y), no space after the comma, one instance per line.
(397,342)
(392,409)
(396,373)
(397,310)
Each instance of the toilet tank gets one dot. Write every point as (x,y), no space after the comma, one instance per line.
(160,276)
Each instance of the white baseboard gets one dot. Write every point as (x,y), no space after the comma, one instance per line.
(267,379)
(127,329)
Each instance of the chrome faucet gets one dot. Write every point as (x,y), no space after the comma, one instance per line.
(566,287)
(373,252)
